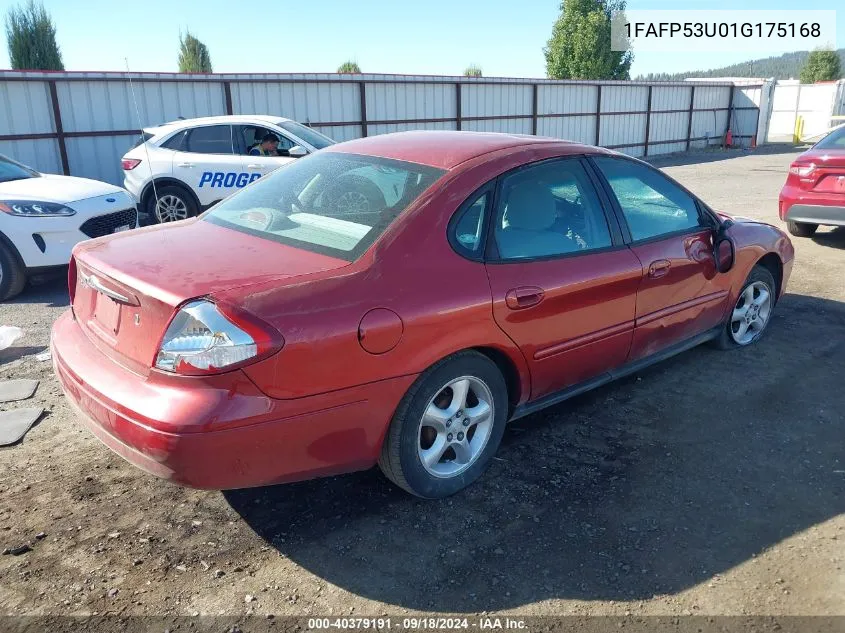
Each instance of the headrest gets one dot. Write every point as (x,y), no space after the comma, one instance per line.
(531,207)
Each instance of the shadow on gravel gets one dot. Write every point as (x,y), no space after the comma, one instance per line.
(647,486)
(51,291)
(834,238)
(714,154)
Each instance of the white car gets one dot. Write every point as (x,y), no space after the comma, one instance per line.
(181,168)
(43,216)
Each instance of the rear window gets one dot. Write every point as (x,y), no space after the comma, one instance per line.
(143,138)
(210,139)
(834,140)
(335,204)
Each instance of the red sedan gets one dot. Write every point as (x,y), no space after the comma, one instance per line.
(814,193)
(396,300)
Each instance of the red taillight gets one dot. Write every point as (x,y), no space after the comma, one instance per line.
(207,338)
(129,164)
(802,170)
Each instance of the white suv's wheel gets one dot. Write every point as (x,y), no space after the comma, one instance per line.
(173,204)
(12,274)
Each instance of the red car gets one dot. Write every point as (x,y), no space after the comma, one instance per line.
(396,300)
(814,193)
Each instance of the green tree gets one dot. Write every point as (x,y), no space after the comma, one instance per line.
(349,67)
(580,45)
(193,55)
(31,37)
(822,65)
(472,71)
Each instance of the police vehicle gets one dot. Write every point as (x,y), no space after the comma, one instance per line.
(43,216)
(179,169)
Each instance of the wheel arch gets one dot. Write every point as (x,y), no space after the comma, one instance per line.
(8,244)
(510,372)
(166,181)
(771,261)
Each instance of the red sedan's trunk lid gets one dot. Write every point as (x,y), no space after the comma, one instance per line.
(829,174)
(126,287)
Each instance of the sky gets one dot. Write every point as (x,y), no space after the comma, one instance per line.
(382,36)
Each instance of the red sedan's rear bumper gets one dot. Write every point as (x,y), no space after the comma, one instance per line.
(220,432)
(811,207)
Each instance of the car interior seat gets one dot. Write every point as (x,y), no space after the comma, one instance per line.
(526,228)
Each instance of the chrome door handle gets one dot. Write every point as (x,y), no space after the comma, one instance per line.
(524,297)
(253,166)
(659,268)
(185,165)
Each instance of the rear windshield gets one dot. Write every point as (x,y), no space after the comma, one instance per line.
(834,140)
(330,203)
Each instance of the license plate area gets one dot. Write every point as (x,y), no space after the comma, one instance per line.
(121,228)
(107,313)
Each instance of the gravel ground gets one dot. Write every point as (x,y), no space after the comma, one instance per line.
(711,484)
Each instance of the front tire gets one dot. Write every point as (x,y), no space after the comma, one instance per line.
(801,229)
(12,274)
(447,427)
(752,312)
(174,203)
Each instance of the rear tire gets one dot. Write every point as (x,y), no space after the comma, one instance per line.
(751,314)
(447,427)
(801,229)
(174,203)
(12,274)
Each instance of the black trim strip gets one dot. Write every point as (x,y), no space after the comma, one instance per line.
(614,374)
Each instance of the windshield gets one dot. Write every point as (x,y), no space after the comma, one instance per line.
(330,203)
(834,140)
(317,140)
(10,170)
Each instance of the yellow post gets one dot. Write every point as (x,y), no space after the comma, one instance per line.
(799,127)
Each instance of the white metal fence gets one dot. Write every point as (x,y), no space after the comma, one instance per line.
(814,103)
(82,123)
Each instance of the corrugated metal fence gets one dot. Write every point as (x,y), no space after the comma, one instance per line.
(82,123)
(814,103)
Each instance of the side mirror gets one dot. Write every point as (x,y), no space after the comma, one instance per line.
(724,252)
(297,151)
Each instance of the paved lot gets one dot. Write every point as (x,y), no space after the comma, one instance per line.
(711,484)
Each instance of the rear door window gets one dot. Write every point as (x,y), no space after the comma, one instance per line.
(210,139)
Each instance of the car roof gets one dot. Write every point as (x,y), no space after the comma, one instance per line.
(224,119)
(448,149)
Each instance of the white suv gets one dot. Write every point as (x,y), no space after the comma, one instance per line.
(181,168)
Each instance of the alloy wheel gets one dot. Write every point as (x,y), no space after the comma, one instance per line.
(456,426)
(751,313)
(171,208)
